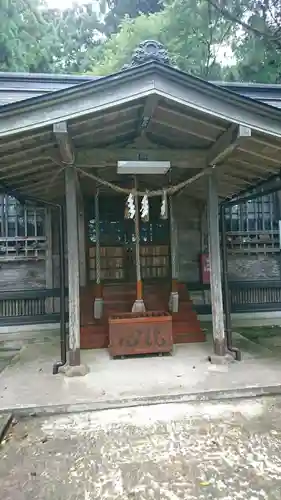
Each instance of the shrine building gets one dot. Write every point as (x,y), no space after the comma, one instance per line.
(135,203)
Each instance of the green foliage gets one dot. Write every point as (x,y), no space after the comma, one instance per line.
(189,29)
(257,42)
(256,62)
(117,10)
(117,49)
(83,38)
(194,32)
(21,26)
(75,32)
(37,39)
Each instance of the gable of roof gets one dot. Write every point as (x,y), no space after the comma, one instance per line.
(111,108)
(134,83)
(16,87)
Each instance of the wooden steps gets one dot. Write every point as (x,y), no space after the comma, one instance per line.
(120,298)
(186,326)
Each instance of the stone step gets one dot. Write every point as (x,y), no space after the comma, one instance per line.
(13,345)
(8,354)
(3,364)
(5,423)
(8,351)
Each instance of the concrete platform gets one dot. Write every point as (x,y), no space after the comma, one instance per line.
(28,385)
(195,451)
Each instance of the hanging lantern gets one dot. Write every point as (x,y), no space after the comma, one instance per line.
(164,206)
(145,208)
(130,210)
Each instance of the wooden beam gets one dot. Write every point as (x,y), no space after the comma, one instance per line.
(7,143)
(215,266)
(123,125)
(73,265)
(192,130)
(148,111)
(223,147)
(19,172)
(247,167)
(64,142)
(184,158)
(105,117)
(233,180)
(9,158)
(264,158)
(31,187)
(263,142)
(41,187)
(226,143)
(233,137)
(200,119)
(32,180)
(20,164)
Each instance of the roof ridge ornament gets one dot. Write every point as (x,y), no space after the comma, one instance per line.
(147,51)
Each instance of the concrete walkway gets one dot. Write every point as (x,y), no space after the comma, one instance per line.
(205,451)
(28,384)
(7,355)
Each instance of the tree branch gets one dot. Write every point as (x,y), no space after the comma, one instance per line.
(231,17)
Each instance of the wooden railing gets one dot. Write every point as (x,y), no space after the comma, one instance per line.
(255,296)
(22,248)
(245,296)
(42,305)
(253,242)
(29,306)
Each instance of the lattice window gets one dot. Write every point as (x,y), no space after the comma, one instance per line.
(252,227)
(117,239)
(22,230)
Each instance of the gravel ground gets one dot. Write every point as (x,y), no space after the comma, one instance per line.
(224,451)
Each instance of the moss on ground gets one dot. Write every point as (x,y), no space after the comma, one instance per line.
(257,333)
(253,333)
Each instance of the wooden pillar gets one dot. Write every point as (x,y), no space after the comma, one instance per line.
(2,215)
(98,302)
(56,259)
(82,243)
(138,305)
(215,267)
(49,275)
(73,265)
(174,294)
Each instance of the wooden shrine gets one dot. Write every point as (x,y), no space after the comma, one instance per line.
(118,285)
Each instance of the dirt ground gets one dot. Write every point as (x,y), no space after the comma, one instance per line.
(224,451)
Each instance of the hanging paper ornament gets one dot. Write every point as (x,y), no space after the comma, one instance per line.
(130,209)
(145,208)
(164,206)
(126,212)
